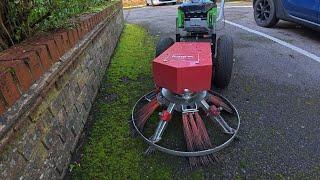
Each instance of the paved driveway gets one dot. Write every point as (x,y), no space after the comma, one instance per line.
(275,86)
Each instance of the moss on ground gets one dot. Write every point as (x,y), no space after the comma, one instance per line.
(111,152)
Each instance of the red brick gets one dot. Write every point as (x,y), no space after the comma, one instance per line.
(20,68)
(71,38)
(22,72)
(66,40)
(24,75)
(93,20)
(80,33)
(81,29)
(89,24)
(43,54)
(75,35)
(84,28)
(29,57)
(51,47)
(59,43)
(8,88)
(96,18)
(33,60)
(2,106)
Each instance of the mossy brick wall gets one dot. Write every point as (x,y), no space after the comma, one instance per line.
(47,86)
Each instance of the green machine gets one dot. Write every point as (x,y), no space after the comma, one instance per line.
(197,19)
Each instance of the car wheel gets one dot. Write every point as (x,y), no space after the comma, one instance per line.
(147,3)
(223,64)
(265,13)
(163,45)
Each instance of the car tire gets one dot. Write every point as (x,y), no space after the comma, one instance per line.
(163,45)
(223,63)
(265,13)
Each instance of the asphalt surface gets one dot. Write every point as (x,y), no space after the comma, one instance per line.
(275,89)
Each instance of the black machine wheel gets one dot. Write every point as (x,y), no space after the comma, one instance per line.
(265,13)
(178,38)
(223,63)
(163,45)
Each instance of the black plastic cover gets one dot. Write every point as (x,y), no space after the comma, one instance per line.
(197,6)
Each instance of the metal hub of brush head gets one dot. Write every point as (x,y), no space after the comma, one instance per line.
(188,103)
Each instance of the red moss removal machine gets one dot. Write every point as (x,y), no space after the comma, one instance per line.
(183,103)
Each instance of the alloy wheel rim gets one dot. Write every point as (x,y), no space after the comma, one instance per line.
(263,10)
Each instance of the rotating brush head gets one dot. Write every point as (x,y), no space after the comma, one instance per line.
(198,142)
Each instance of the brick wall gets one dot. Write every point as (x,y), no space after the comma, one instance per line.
(47,86)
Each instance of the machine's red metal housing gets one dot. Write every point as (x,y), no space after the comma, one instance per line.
(185,65)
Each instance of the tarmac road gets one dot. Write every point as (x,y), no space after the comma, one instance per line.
(275,88)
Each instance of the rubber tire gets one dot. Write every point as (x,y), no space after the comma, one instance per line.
(163,45)
(223,64)
(272,20)
(178,37)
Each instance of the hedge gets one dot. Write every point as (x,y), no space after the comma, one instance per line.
(20,19)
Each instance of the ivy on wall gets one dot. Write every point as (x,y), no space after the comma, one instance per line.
(20,19)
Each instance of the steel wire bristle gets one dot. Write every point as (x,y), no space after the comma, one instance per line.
(145,112)
(189,138)
(219,103)
(197,138)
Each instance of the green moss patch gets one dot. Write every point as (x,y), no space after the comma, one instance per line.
(111,152)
